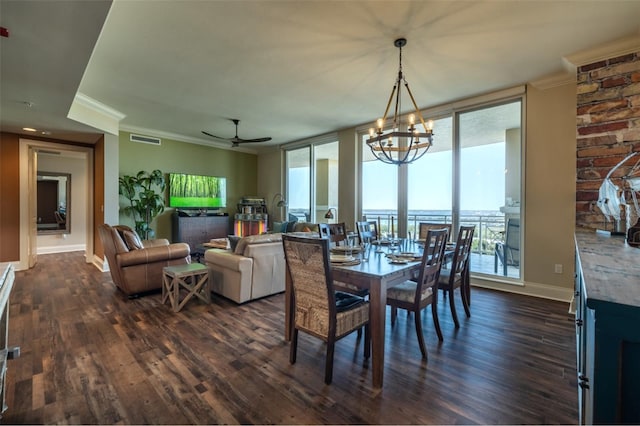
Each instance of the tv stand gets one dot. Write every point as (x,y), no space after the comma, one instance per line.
(195,230)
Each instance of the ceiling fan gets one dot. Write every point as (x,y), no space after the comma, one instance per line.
(236,140)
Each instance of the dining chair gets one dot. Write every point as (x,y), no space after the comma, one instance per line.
(424,227)
(367,231)
(318,309)
(508,252)
(336,233)
(417,295)
(458,275)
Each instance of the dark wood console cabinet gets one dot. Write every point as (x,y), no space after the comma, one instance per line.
(607,329)
(195,230)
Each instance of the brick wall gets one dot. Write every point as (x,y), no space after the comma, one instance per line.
(608,129)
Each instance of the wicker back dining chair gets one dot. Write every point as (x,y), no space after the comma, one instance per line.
(417,295)
(458,275)
(318,309)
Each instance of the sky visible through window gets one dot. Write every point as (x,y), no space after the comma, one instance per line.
(482,179)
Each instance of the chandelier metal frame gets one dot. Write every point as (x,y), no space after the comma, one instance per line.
(402,144)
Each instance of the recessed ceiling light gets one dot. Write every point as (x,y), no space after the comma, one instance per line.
(29,129)
(46,132)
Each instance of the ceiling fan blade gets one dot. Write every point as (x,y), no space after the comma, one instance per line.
(253,140)
(214,136)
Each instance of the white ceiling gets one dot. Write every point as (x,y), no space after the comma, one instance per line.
(286,69)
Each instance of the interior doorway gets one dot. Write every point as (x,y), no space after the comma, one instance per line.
(78,161)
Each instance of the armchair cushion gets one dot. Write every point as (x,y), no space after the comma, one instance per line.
(153,254)
(304,227)
(132,240)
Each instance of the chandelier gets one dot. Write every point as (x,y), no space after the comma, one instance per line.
(403,143)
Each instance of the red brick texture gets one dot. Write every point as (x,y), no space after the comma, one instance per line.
(608,129)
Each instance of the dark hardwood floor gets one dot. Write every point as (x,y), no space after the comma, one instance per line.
(89,355)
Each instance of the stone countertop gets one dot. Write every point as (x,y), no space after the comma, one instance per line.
(611,268)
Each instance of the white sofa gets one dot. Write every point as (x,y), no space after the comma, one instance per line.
(255,269)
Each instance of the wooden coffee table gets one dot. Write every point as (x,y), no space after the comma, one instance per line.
(192,277)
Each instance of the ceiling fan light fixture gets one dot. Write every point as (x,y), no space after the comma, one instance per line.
(403,142)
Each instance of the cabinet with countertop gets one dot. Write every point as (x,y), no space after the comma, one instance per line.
(607,328)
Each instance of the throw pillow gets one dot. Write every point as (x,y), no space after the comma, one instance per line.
(233,242)
(283,227)
(132,240)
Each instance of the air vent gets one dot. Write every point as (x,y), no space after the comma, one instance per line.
(145,139)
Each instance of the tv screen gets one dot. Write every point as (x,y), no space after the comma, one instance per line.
(197,192)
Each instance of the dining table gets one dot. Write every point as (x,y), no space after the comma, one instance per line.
(376,274)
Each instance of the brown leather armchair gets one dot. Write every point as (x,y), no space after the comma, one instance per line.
(136,266)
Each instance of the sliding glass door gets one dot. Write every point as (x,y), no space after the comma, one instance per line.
(299,184)
(312,182)
(490,187)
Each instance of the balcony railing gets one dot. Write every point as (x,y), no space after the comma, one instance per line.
(489,227)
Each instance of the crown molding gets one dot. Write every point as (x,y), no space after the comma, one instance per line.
(613,49)
(187,139)
(551,81)
(98,107)
(88,111)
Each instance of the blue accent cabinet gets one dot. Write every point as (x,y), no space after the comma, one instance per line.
(607,295)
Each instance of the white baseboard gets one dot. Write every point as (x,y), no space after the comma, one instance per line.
(101,264)
(61,249)
(544,291)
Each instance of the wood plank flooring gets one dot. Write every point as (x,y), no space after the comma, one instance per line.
(89,355)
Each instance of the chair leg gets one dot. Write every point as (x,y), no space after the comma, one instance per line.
(394,314)
(423,348)
(465,293)
(495,263)
(294,346)
(436,321)
(359,333)
(504,265)
(467,277)
(367,341)
(328,369)
(452,305)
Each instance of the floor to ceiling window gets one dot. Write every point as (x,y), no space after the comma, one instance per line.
(470,176)
(430,180)
(312,182)
(490,193)
(380,192)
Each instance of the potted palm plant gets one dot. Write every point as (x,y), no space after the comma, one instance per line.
(145,193)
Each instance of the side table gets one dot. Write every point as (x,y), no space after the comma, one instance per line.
(192,277)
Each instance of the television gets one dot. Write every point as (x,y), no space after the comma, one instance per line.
(188,191)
